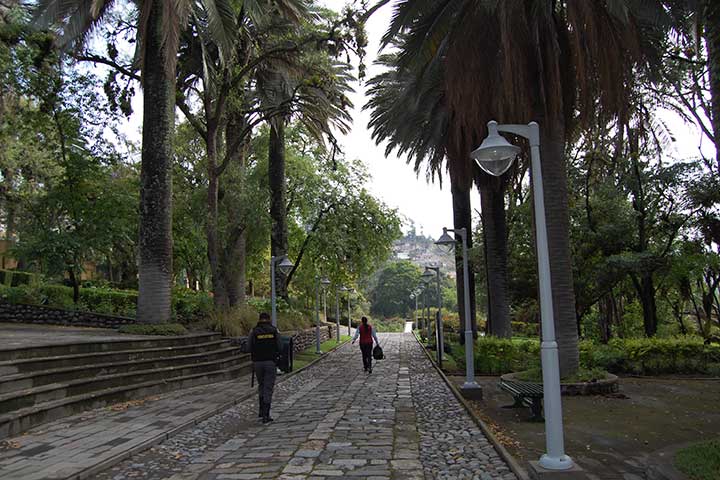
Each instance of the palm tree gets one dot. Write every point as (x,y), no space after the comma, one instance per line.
(409,112)
(560,63)
(312,87)
(158,33)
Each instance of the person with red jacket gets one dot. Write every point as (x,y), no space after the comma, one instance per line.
(366,332)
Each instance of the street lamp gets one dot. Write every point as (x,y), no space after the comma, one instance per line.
(495,155)
(319,283)
(284,265)
(427,276)
(470,388)
(337,311)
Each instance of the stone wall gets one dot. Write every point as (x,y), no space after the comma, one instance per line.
(18,313)
(306,338)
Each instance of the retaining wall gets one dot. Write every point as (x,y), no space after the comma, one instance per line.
(19,313)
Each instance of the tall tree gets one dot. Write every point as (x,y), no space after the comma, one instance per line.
(158,33)
(550,61)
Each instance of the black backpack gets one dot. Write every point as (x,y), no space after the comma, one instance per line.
(378,353)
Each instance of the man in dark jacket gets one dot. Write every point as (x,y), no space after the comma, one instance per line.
(264,348)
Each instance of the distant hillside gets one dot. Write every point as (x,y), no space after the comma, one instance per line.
(422,251)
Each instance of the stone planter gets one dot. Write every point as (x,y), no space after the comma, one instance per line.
(598,387)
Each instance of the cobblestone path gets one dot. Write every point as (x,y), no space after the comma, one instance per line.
(335,421)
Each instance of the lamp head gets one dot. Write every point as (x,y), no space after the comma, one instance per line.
(495,155)
(285,265)
(446,242)
(427,276)
(324,282)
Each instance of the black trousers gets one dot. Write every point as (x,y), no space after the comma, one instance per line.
(366,349)
(265,374)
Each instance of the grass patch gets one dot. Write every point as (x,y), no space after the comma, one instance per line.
(154,329)
(701,461)
(308,355)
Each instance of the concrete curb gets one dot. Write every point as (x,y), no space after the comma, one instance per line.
(105,464)
(502,451)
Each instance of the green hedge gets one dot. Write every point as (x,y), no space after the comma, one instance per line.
(640,356)
(653,356)
(188,306)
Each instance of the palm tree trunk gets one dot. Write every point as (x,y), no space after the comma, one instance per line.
(712,43)
(220,294)
(552,141)
(495,230)
(278,213)
(155,242)
(462,218)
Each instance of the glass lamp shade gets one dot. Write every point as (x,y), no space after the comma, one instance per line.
(495,155)
(446,242)
(285,265)
(427,276)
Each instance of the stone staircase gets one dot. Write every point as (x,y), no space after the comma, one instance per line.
(43,383)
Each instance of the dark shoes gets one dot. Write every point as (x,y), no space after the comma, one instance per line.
(265,413)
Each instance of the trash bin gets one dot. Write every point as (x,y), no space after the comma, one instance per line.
(285,362)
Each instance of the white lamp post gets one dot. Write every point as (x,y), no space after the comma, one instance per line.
(320,283)
(470,388)
(337,312)
(427,276)
(495,155)
(284,265)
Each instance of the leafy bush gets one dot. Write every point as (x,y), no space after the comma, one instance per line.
(640,356)
(233,323)
(652,356)
(497,356)
(154,329)
(188,306)
(525,329)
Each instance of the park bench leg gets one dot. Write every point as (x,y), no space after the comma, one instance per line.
(537,411)
(518,402)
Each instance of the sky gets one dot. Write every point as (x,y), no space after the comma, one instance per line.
(393,180)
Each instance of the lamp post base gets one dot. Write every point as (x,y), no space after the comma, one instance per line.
(556,463)
(471,391)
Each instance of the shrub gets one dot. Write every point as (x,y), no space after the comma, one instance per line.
(235,322)
(191,306)
(497,356)
(525,329)
(652,356)
(154,329)
(188,306)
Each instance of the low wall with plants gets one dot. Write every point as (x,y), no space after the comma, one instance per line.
(306,338)
(634,356)
(188,306)
(18,313)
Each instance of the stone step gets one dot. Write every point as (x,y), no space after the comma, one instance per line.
(56,391)
(16,422)
(28,365)
(24,381)
(110,345)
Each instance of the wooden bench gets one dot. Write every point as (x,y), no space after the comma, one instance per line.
(525,394)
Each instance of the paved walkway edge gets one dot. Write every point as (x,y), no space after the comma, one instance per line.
(105,464)
(502,451)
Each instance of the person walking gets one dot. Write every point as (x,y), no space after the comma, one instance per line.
(366,332)
(264,348)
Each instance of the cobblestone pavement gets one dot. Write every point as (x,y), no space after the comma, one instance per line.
(335,421)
